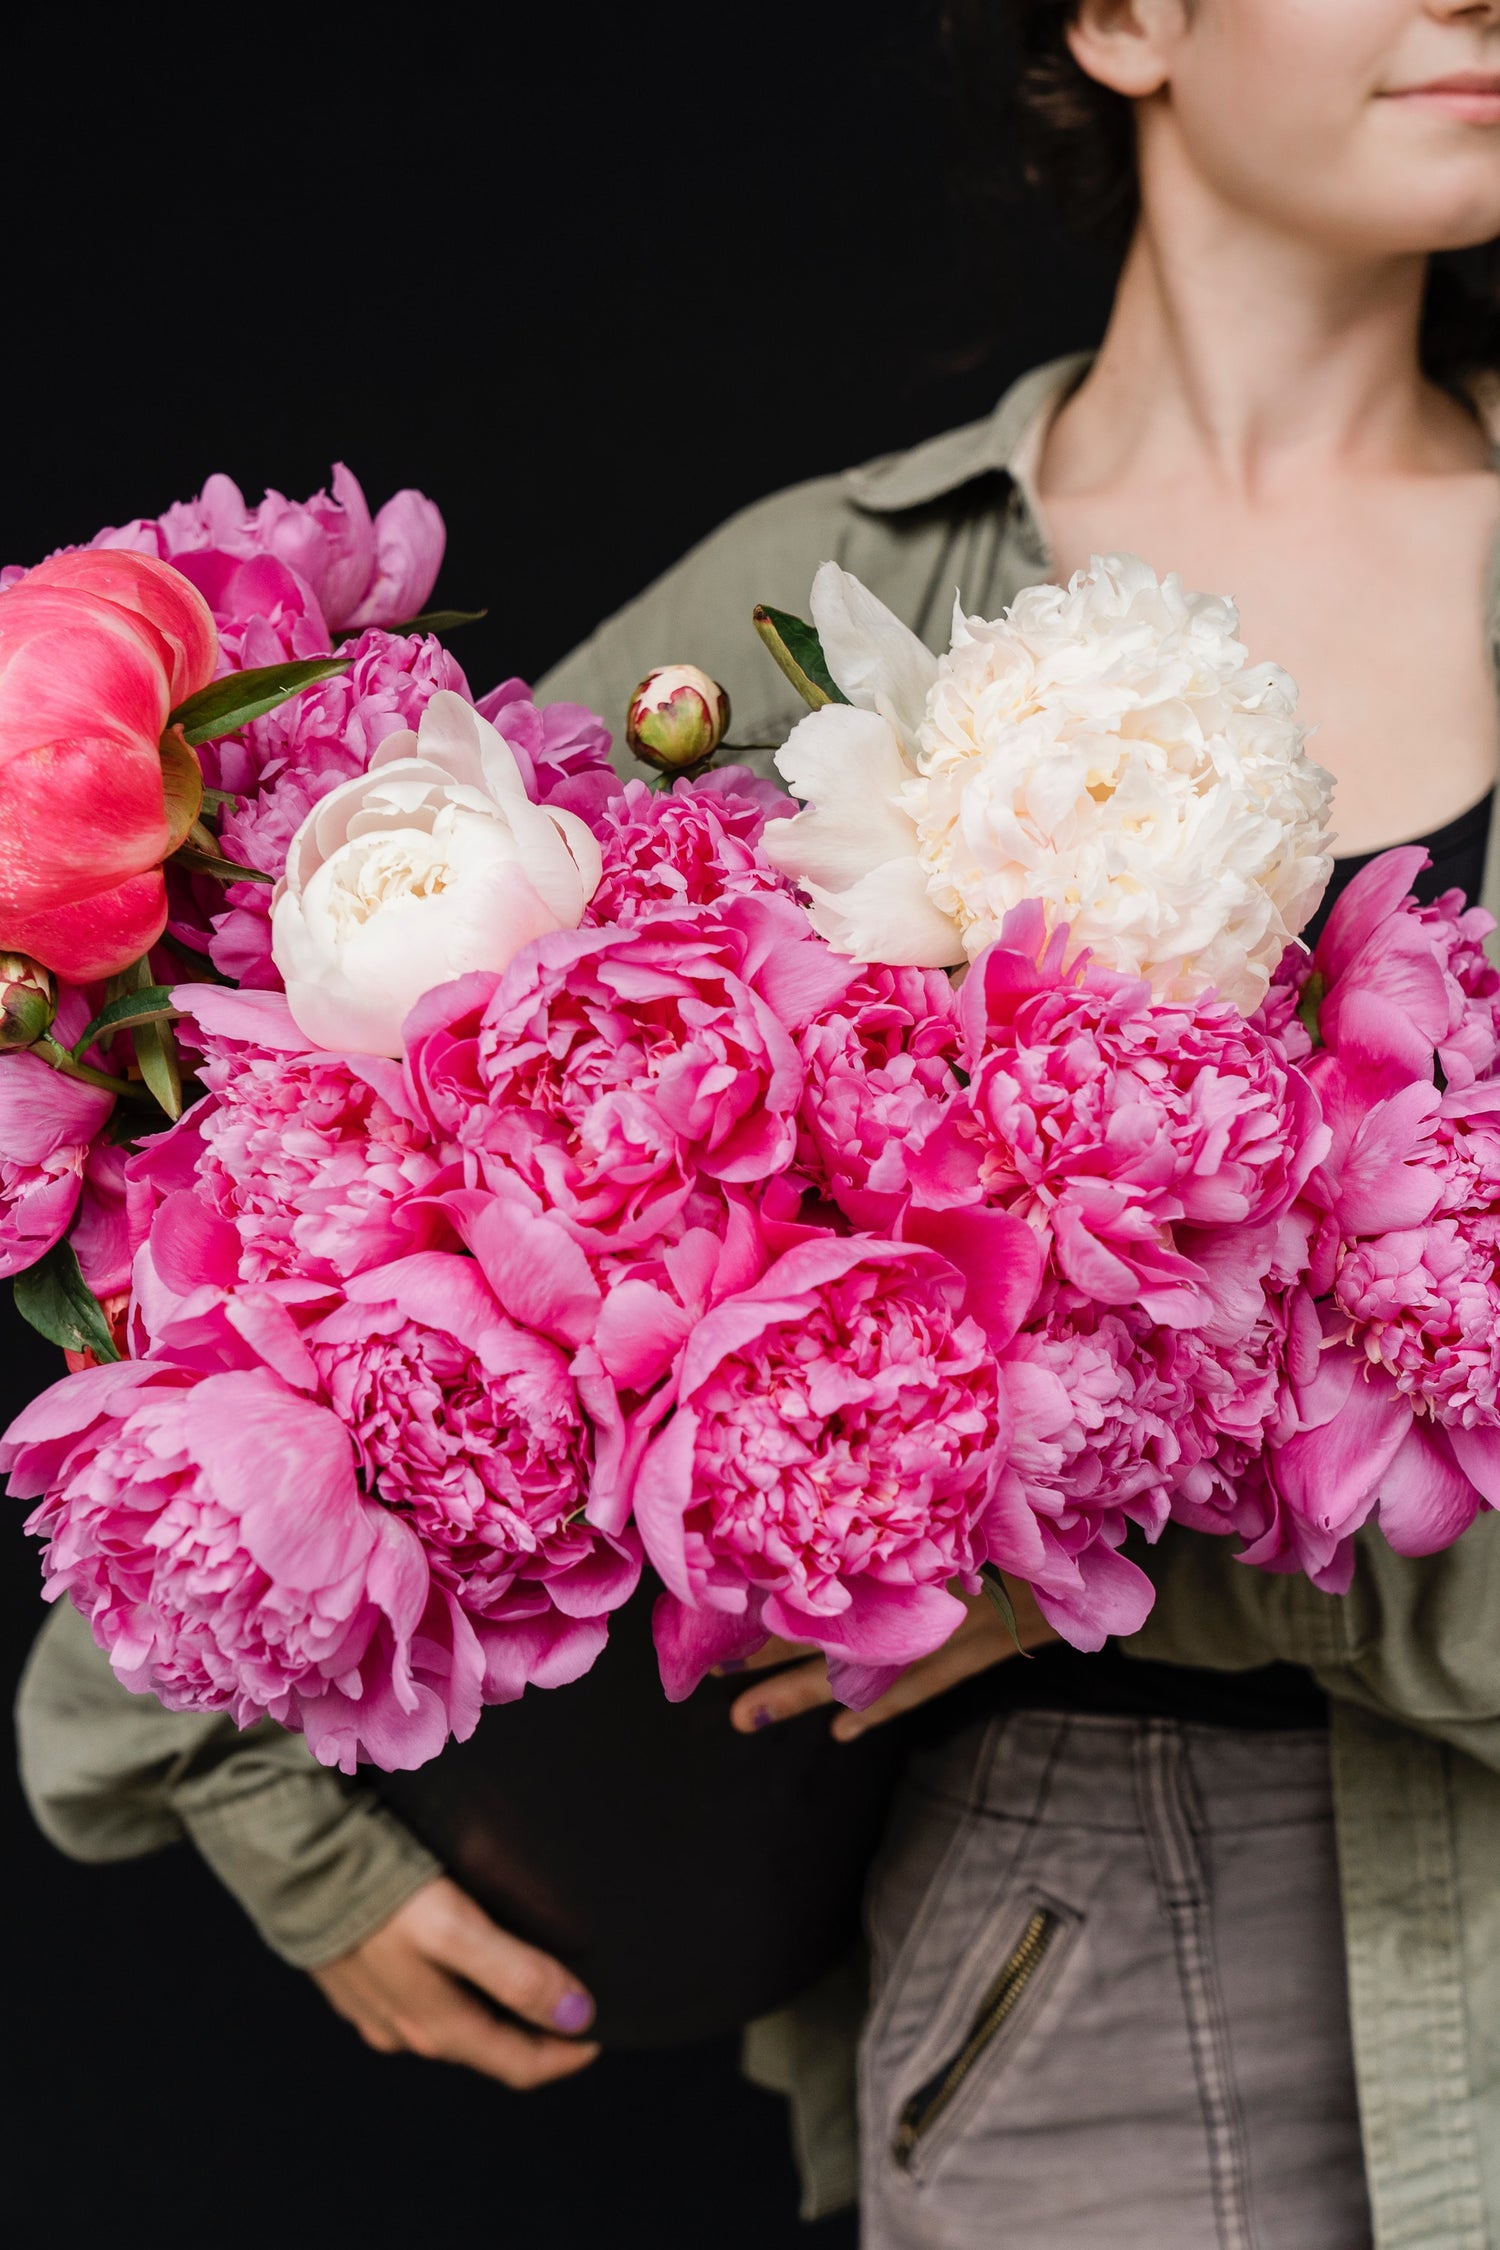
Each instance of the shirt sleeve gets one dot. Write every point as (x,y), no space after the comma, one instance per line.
(1413,1640)
(317,1862)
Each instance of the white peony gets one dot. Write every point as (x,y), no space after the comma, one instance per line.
(1105,748)
(433,863)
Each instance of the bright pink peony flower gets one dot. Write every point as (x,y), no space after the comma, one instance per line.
(317,1158)
(469,1424)
(1109,1120)
(880,1072)
(831,1461)
(690,845)
(47,1123)
(95,650)
(263,612)
(1398,985)
(213,1533)
(360,573)
(615,1072)
(562,749)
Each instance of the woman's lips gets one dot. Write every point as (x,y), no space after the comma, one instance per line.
(1469,97)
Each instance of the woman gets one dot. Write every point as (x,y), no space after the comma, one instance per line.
(1111,2002)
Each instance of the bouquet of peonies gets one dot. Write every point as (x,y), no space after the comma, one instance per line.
(459,1176)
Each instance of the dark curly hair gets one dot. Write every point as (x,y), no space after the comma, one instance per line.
(1031,115)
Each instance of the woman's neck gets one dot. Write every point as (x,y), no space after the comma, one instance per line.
(1247,361)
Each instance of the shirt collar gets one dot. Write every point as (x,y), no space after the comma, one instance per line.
(1009,441)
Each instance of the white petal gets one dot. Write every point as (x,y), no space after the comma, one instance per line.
(877,661)
(847,765)
(887,916)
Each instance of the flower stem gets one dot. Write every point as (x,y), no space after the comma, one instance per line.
(60,1059)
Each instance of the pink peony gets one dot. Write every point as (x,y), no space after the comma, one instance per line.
(831,1461)
(619,1073)
(213,1533)
(1109,1120)
(317,1158)
(879,1069)
(286,762)
(1396,986)
(48,1124)
(469,1424)
(690,845)
(264,613)
(562,749)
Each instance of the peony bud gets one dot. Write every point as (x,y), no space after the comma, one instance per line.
(28,1001)
(677,718)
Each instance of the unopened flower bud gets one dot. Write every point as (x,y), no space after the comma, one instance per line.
(677,718)
(28,1001)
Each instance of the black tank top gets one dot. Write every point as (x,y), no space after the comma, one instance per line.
(1279,1695)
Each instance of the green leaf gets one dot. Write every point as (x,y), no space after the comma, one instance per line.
(440,621)
(214,800)
(226,705)
(151,1005)
(213,863)
(1313,993)
(156,1052)
(60,1305)
(182,784)
(799,652)
(994,1586)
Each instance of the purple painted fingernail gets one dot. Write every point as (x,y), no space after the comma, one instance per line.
(732,1664)
(760,1717)
(573,2011)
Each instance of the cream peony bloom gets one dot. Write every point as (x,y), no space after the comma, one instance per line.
(433,863)
(1105,748)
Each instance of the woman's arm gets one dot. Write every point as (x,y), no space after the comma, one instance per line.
(330,1878)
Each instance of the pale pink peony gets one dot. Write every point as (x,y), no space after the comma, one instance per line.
(286,762)
(833,1452)
(562,749)
(1109,1120)
(318,1159)
(880,1072)
(213,1533)
(689,845)
(615,1073)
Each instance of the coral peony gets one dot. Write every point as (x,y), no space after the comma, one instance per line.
(213,1533)
(617,1072)
(95,651)
(433,864)
(1103,749)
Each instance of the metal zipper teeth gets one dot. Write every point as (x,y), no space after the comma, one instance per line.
(927,2105)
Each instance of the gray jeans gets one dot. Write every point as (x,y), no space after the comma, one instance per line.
(1110,2003)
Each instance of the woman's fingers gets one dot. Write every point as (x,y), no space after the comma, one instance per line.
(401,1991)
(530,1983)
(802,1688)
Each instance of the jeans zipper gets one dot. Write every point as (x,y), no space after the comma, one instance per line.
(926,2106)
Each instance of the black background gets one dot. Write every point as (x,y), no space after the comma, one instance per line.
(592,281)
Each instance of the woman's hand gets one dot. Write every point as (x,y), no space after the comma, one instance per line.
(405,1991)
(984,1638)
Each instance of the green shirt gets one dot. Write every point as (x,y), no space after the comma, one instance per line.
(1410,1656)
